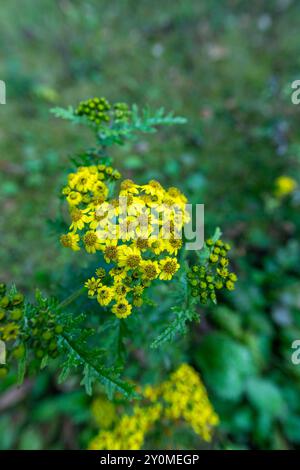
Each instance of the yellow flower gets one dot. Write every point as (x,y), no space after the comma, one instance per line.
(154,188)
(122,308)
(129,187)
(74,198)
(181,397)
(168,267)
(100,188)
(157,245)
(102,216)
(118,273)
(104,295)
(127,228)
(129,257)
(177,196)
(141,244)
(149,269)
(79,218)
(91,242)
(185,397)
(120,289)
(138,290)
(92,285)
(70,240)
(173,245)
(284,185)
(101,273)
(84,182)
(110,251)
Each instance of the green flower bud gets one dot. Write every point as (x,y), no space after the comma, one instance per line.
(4,302)
(2,314)
(47,335)
(16,314)
(230,285)
(137,301)
(218,284)
(213,258)
(39,353)
(59,329)
(2,288)
(19,351)
(3,372)
(52,345)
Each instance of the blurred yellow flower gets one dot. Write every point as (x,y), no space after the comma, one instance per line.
(181,397)
(285,185)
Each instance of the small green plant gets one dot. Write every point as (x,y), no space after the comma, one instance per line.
(131,255)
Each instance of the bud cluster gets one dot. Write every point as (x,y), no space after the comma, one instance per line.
(11,319)
(205,279)
(100,111)
(43,333)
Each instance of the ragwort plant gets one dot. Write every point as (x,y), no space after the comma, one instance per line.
(129,259)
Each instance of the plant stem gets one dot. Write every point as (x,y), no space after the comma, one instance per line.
(72,297)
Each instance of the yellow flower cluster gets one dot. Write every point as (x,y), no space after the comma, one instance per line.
(85,191)
(181,397)
(284,185)
(185,398)
(139,234)
(129,433)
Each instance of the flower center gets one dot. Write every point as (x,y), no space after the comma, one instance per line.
(133,261)
(150,271)
(65,241)
(76,215)
(170,267)
(90,239)
(110,252)
(142,243)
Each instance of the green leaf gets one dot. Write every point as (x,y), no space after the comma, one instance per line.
(265,396)
(217,235)
(87,379)
(225,364)
(292,428)
(176,327)
(21,369)
(94,370)
(116,132)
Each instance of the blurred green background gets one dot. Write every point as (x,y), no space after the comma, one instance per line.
(228,67)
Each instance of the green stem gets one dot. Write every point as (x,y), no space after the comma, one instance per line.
(72,297)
